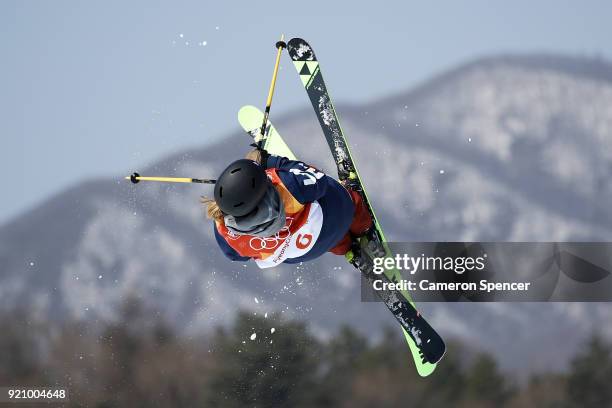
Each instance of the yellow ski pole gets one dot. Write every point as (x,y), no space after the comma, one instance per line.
(136,178)
(279,45)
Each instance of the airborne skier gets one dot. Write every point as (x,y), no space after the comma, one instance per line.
(273,210)
(302,200)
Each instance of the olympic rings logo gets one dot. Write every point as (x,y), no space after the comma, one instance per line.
(259,243)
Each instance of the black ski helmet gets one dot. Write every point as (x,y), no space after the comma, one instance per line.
(240,187)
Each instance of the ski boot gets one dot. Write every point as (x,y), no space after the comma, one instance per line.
(358,256)
(374,245)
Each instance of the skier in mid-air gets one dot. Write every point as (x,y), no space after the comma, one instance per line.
(275,210)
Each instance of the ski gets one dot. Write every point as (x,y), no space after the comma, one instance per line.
(250,119)
(425,343)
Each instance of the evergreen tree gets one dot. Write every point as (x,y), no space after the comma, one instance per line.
(484,382)
(341,356)
(591,372)
(265,363)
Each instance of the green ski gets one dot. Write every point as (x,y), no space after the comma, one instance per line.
(426,345)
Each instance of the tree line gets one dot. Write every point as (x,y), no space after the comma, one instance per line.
(268,361)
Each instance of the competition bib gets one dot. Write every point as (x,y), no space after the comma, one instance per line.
(290,242)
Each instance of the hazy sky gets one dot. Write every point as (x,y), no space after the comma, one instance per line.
(92,89)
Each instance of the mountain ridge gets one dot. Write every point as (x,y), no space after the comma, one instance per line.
(482,152)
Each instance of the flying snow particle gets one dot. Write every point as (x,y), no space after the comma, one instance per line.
(272,330)
(181,35)
(266,315)
(217,27)
(203,43)
(99,276)
(441,171)
(253,336)
(469,139)
(256,300)
(31,263)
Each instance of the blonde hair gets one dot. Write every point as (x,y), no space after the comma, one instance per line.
(212,208)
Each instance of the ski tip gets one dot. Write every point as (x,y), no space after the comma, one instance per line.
(248,117)
(296,43)
(426,370)
(247,109)
(300,50)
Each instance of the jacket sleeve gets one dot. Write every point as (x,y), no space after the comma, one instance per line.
(227,250)
(305,182)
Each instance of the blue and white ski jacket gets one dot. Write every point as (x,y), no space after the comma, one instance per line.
(318,210)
